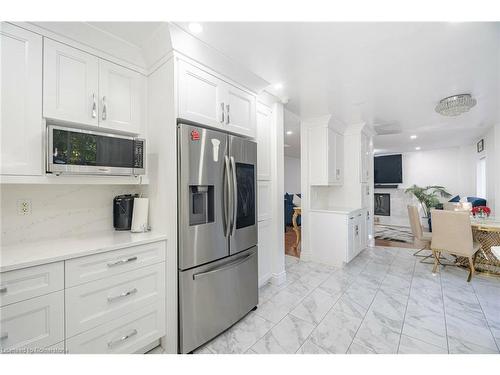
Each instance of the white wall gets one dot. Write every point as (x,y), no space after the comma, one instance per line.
(58,210)
(292,175)
(454,168)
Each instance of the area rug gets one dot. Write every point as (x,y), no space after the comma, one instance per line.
(393,233)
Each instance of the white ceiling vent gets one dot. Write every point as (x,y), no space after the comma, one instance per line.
(387,129)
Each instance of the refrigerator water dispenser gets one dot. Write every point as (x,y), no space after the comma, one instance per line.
(201,204)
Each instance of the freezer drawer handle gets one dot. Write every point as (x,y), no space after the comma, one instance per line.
(223,268)
(123,338)
(122,261)
(122,295)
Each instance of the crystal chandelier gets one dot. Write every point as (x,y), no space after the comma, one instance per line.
(455,105)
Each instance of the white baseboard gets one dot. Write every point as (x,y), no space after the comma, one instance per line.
(264,279)
(279,278)
(305,256)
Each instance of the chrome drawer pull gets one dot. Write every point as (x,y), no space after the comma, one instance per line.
(122,261)
(124,294)
(3,289)
(4,335)
(121,339)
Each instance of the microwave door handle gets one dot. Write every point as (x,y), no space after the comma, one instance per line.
(227,197)
(235,196)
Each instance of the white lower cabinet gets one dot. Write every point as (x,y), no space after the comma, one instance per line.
(112,302)
(265,251)
(91,304)
(337,237)
(126,334)
(32,325)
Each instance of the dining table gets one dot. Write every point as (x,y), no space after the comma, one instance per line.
(486,231)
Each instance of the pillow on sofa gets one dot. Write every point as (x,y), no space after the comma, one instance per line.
(297,200)
(455,199)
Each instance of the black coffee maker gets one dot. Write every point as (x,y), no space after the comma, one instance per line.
(123,206)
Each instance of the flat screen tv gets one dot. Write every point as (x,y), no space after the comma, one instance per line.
(388,169)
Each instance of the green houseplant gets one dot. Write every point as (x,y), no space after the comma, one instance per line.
(428,197)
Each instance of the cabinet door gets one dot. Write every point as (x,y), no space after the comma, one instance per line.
(364,159)
(120,95)
(318,156)
(33,324)
(70,84)
(200,96)
(240,111)
(265,249)
(21,101)
(332,156)
(264,134)
(339,158)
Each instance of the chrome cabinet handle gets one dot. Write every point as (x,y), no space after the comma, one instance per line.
(227,197)
(224,267)
(122,295)
(4,336)
(222,112)
(3,289)
(123,338)
(94,107)
(104,108)
(227,114)
(235,195)
(121,261)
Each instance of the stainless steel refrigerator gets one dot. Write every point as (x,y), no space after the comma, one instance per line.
(217,224)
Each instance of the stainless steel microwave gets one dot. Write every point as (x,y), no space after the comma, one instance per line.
(79,151)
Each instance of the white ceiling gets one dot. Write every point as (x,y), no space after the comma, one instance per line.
(381,73)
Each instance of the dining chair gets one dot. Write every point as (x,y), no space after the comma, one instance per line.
(452,234)
(421,239)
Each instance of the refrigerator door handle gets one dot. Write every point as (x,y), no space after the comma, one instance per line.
(235,196)
(227,197)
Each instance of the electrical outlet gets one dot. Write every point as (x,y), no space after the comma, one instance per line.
(24,207)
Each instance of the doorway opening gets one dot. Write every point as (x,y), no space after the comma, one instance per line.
(292,183)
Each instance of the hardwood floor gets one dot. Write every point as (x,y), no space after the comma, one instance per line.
(290,239)
(389,243)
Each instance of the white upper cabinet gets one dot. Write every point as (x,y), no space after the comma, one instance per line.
(326,156)
(21,101)
(264,123)
(81,88)
(200,96)
(240,111)
(206,99)
(119,97)
(70,84)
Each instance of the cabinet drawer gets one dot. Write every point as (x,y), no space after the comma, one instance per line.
(91,304)
(19,285)
(126,334)
(33,324)
(94,267)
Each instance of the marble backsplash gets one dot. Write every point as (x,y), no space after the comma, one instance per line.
(58,210)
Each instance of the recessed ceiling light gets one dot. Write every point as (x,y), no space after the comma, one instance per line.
(195,27)
(413,136)
(417,148)
(289,132)
(278,86)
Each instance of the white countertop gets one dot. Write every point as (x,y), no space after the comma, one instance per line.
(29,254)
(335,210)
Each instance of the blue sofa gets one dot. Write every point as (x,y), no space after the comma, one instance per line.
(289,210)
(474,200)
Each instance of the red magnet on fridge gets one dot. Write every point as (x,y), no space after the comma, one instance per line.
(195,135)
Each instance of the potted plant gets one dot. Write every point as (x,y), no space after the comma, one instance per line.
(428,197)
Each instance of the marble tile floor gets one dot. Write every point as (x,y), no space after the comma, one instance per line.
(384,301)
